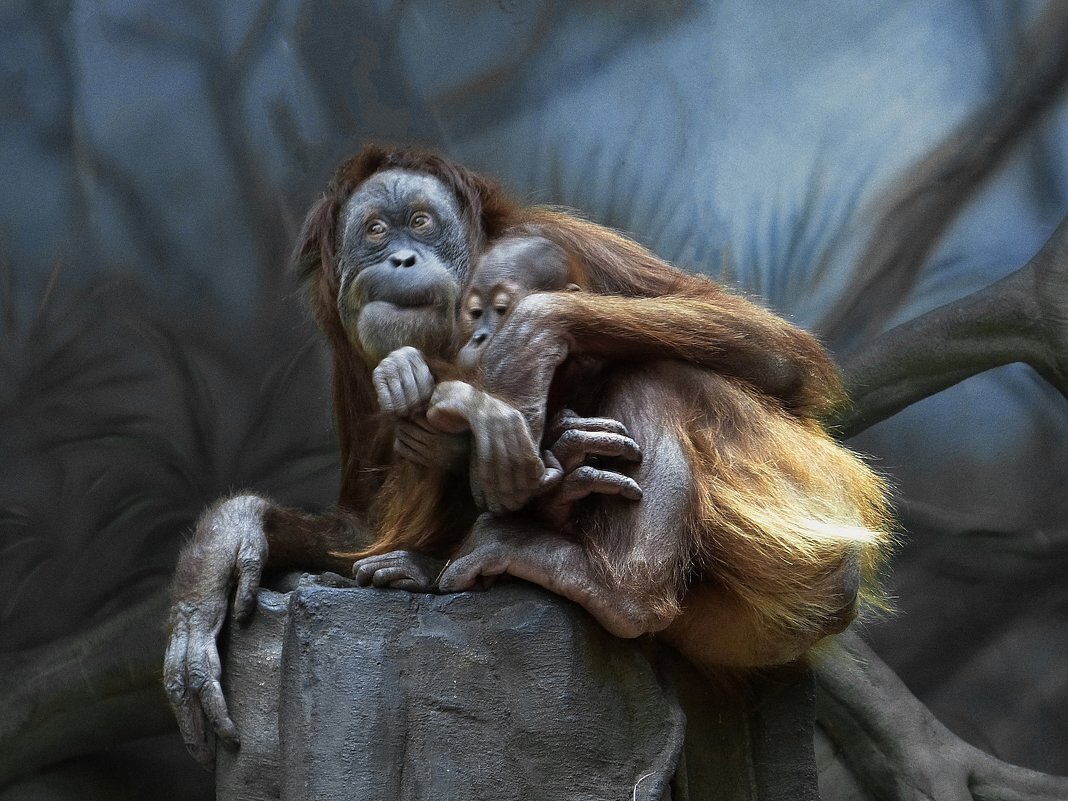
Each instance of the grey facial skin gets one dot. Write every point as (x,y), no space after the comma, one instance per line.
(512,269)
(403,256)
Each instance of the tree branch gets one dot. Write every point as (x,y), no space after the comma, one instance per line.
(921,206)
(1021,318)
(898,749)
(86,692)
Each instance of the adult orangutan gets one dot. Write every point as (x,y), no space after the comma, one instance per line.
(755,531)
(387,249)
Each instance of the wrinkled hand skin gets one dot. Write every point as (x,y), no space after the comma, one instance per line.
(229,548)
(494,544)
(519,362)
(400,570)
(404,386)
(575,439)
(516,546)
(403,383)
(507,470)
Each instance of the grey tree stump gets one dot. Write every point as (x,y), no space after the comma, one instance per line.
(515,693)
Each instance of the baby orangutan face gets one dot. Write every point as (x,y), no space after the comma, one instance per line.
(509,271)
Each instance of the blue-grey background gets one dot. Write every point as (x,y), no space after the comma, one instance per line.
(156,158)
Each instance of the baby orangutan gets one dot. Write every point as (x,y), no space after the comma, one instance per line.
(514,268)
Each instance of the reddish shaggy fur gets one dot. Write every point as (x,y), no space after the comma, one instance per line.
(777,510)
(777,516)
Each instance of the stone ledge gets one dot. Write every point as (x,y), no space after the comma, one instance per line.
(510,694)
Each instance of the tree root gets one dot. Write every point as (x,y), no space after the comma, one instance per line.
(896,747)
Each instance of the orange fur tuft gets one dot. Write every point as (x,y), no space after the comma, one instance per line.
(779,512)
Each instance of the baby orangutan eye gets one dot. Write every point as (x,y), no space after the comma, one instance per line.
(502,302)
(375,229)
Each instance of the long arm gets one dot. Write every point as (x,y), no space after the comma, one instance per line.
(234,542)
(721,331)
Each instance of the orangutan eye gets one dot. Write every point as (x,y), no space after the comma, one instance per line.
(474,313)
(421,221)
(502,303)
(376,228)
